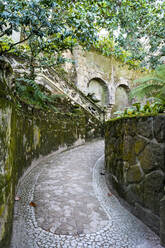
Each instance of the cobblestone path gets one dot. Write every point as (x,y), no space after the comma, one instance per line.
(72,207)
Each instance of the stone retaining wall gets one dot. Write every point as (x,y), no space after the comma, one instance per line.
(24,137)
(135,169)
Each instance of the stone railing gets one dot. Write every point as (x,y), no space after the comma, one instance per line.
(52,80)
(135,168)
(50,77)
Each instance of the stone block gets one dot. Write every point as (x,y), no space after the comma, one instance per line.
(153,190)
(118,172)
(162,221)
(140,144)
(159,128)
(134,193)
(130,127)
(129,150)
(146,215)
(152,157)
(145,127)
(134,174)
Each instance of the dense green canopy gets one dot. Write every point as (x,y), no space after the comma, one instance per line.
(136,26)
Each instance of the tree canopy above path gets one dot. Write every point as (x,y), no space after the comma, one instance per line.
(61,24)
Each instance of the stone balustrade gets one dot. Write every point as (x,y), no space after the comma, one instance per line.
(50,77)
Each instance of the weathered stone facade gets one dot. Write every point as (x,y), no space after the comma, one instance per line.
(92,65)
(92,73)
(134,154)
(24,137)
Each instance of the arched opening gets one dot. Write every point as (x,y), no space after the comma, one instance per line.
(98,91)
(121,98)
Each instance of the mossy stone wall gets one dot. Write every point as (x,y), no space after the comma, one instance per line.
(135,168)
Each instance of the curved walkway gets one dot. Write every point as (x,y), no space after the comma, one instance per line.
(72,208)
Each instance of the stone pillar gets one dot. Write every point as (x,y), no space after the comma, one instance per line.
(162,221)
(108,112)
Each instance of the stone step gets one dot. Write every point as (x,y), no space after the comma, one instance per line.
(49,78)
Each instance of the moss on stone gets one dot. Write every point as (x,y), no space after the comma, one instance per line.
(134,174)
(139,145)
(139,177)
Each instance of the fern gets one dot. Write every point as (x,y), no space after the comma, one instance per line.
(152,85)
(30,92)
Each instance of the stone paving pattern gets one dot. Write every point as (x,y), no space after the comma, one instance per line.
(65,197)
(74,207)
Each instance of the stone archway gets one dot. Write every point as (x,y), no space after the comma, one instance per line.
(121,98)
(99,91)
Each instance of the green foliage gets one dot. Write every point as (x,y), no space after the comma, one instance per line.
(105,45)
(21,50)
(56,25)
(5,43)
(152,85)
(30,92)
(48,27)
(108,48)
(132,23)
(138,109)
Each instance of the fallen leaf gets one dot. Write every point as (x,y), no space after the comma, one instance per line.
(109,194)
(32,204)
(17,198)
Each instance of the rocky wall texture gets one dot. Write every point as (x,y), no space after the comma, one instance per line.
(24,137)
(135,169)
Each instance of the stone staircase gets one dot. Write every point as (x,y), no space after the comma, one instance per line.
(50,78)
